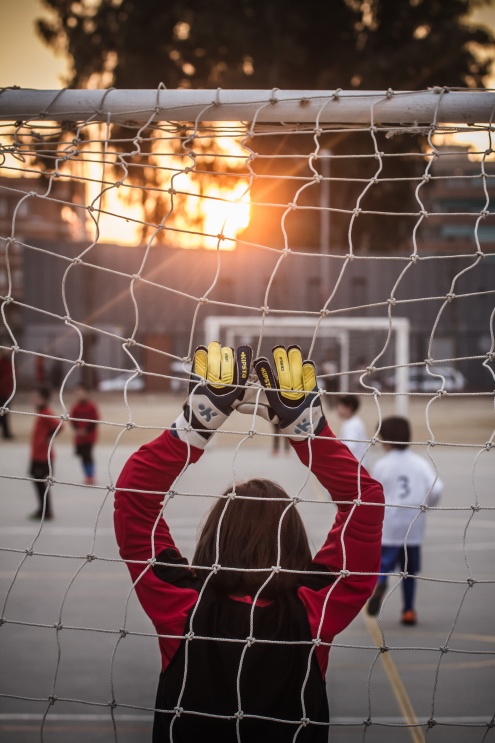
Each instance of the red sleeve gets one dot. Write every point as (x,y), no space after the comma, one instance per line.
(354,541)
(142,533)
(95,413)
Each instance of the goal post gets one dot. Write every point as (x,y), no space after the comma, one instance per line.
(232,329)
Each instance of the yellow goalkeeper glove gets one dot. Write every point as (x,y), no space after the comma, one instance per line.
(218,378)
(292,392)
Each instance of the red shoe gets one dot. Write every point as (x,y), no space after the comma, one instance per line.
(409,617)
(89,481)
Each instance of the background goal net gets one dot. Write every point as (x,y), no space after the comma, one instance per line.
(135,225)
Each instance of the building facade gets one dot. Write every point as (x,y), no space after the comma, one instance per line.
(165,312)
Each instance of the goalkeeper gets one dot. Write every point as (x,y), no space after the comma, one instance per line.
(238,612)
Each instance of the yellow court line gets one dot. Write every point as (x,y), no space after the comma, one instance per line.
(395,680)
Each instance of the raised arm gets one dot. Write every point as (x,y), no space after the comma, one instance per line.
(352,548)
(141,488)
(353,544)
(143,483)
(142,534)
(150,472)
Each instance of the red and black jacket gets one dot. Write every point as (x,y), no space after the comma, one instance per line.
(280,688)
(84,416)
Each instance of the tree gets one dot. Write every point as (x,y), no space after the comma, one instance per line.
(361,44)
(251,44)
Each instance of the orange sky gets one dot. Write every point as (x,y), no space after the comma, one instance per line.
(25,61)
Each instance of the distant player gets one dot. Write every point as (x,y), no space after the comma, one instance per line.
(408,480)
(84,419)
(237,630)
(353,430)
(6,389)
(41,453)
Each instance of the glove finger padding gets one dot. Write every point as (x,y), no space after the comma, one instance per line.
(215,364)
(226,372)
(218,377)
(288,365)
(293,392)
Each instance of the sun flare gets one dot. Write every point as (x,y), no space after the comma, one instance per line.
(200,208)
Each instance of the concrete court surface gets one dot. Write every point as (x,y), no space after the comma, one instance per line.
(416,680)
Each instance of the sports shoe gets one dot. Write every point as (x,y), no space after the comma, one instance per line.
(409,617)
(89,481)
(376,600)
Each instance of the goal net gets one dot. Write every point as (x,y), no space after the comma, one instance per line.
(135,225)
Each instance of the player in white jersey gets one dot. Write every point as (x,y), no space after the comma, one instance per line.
(409,481)
(352,431)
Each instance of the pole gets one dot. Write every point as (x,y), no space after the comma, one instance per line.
(325,155)
(399,108)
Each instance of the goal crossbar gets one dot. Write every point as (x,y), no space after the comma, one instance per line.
(442,105)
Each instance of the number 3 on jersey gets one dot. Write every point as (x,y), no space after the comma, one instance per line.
(404,489)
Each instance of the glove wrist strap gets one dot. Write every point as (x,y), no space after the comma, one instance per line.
(182,429)
(306,425)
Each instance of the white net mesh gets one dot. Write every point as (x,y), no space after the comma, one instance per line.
(122,243)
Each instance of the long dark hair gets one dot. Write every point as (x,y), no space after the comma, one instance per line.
(248,539)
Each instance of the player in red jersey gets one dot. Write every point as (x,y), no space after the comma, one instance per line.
(84,419)
(42,452)
(245,631)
